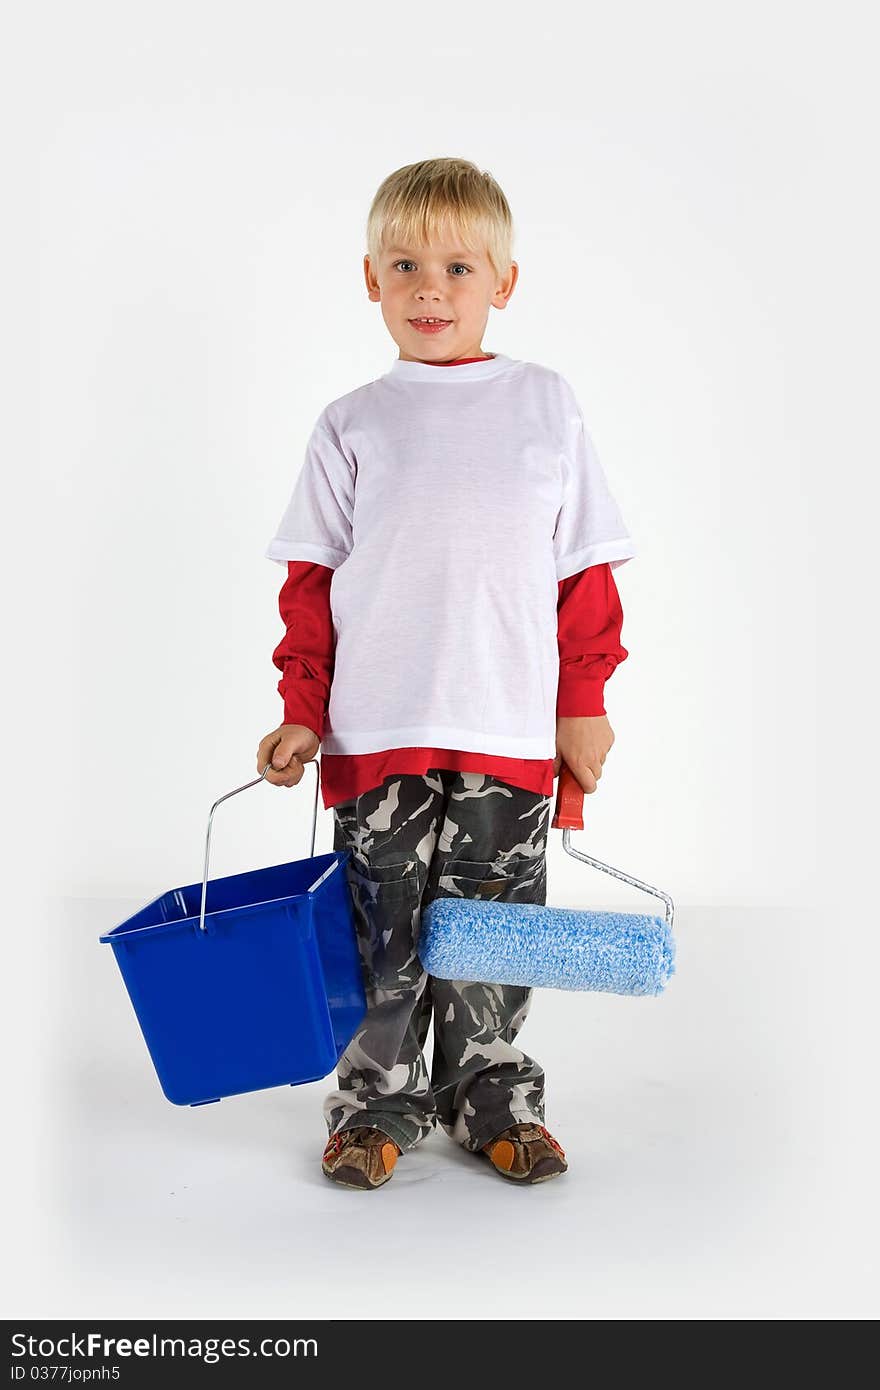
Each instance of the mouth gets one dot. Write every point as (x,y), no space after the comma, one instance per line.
(428,324)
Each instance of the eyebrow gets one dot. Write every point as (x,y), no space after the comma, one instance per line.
(404,251)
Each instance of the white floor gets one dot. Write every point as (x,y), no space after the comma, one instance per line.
(722,1144)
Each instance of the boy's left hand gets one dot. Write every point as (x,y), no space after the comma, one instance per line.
(583,744)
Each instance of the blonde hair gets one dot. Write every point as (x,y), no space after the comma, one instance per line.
(419,203)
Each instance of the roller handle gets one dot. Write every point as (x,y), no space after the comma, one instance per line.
(569,813)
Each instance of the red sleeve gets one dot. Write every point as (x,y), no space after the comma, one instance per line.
(590,618)
(305,654)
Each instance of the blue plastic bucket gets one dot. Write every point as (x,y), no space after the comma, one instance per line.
(245,982)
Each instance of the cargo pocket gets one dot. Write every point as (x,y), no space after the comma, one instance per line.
(386,898)
(519,880)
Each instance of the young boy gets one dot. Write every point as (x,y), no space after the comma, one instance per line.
(451,619)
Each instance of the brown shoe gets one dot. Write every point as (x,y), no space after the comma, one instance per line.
(527,1153)
(361,1157)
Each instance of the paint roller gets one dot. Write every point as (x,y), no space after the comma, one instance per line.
(511,943)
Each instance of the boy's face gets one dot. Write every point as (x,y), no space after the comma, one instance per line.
(440,282)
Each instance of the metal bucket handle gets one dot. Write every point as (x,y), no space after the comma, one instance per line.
(234,793)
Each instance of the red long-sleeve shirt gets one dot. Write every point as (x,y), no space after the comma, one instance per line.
(589,623)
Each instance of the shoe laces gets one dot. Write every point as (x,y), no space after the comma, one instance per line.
(550,1140)
(334,1145)
(338,1140)
(531,1128)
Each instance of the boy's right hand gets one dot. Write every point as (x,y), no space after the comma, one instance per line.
(287,748)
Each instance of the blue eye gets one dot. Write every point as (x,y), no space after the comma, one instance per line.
(457,266)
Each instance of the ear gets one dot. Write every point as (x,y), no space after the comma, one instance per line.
(505,289)
(373,292)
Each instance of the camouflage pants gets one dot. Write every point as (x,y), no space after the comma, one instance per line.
(415,838)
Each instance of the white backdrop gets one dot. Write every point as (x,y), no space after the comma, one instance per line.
(203,192)
(696,229)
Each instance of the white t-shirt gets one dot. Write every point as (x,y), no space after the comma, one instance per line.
(449,501)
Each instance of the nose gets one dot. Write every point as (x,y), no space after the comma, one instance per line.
(427,290)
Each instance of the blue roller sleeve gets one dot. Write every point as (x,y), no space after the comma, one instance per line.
(551,947)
